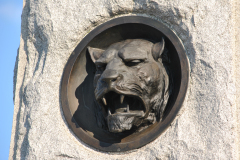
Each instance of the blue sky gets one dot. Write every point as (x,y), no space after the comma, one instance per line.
(10,30)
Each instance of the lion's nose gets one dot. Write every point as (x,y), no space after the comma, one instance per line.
(110,76)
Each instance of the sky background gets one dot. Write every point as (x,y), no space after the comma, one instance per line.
(10,31)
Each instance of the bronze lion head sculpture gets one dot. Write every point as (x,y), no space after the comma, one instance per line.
(131,83)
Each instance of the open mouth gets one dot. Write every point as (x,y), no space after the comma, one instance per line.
(122,111)
(114,103)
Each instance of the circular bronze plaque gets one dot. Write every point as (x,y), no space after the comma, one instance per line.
(77,89)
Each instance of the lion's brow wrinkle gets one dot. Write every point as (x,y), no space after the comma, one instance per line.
(136,86)
(127,55)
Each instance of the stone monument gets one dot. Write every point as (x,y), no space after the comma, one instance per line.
(127,80)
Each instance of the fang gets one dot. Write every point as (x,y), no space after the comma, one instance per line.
(127,109)
(104,101)
(121,99)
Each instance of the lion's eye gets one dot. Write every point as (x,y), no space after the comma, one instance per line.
(101,67)
(133,62)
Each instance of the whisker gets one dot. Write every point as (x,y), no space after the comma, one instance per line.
(135,88)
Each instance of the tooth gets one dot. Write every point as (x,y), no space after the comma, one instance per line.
(109,112)
(128,108)
(104,101)
(121,98)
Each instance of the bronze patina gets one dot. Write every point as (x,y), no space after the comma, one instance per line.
(131,84)
(124,83)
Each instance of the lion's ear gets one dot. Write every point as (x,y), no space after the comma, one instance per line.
(158,49)
(95,53)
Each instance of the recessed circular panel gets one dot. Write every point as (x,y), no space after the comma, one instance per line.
(77,90)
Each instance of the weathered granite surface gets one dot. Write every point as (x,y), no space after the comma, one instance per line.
(206,128)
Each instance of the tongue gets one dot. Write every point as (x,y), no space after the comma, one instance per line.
(120,107)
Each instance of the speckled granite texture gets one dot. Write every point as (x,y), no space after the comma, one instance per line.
(206,128)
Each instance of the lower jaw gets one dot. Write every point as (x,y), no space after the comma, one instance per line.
(120,122)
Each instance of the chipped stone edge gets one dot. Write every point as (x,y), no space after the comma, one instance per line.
(19,71)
